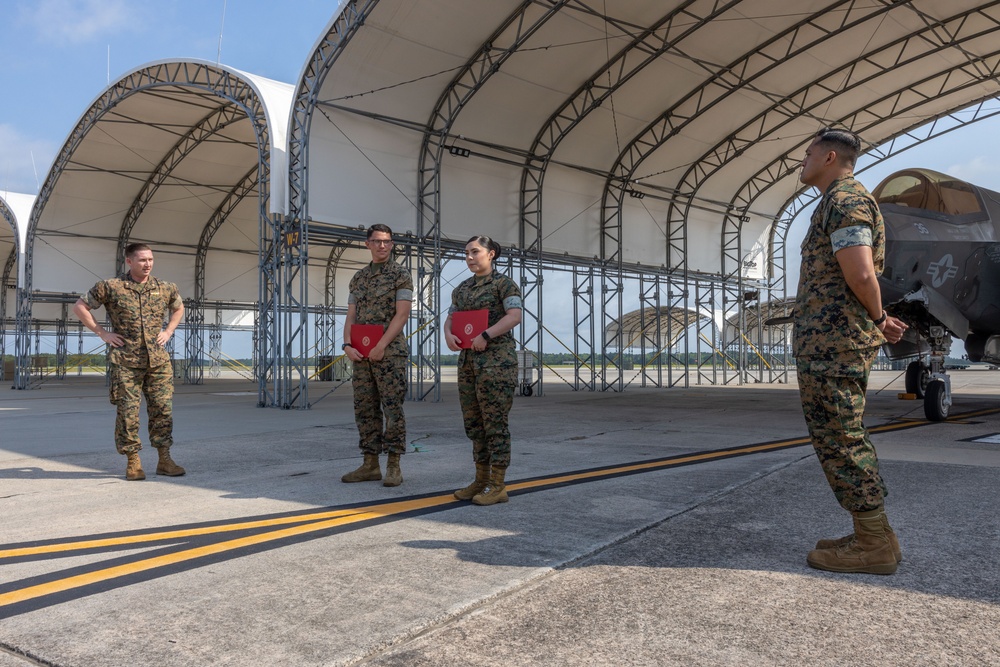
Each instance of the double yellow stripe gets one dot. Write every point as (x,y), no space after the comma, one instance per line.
(333,520)
(304,524)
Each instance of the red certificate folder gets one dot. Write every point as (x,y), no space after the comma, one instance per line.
(366,336)
(467,324)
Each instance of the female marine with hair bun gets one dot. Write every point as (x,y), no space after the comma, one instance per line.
(487,372)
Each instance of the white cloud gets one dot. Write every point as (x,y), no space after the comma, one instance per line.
(78,21)
(17,152)
(980,170)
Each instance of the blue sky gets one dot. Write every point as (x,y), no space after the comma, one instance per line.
(55,56)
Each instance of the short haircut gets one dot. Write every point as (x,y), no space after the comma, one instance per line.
(133,248)
(845,143)
(487,243)
(378,228)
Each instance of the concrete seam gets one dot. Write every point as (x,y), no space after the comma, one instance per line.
(448,618)
(26,656)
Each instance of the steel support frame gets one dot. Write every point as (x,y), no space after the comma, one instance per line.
(903,102)
(61,343)
(206,128)
(788,108)
(649,299)
(612,288)
(256,180)
(706,331)
(584,316)
(512,33)
(286,307)
(5,286)
(739,75)
(644,47)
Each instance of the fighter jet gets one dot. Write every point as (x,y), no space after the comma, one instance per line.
(941,276)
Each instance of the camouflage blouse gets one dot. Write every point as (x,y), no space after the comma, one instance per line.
(828,317)
(497,293)
(137,312)
(374,291)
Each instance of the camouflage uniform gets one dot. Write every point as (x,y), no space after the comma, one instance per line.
(836,343)
(380,386)
(486,379)
(141,366)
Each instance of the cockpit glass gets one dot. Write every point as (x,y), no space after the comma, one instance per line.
(929,191)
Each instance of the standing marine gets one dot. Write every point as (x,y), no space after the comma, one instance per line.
(487,372)
(137,304)
(380,294)
(839,327)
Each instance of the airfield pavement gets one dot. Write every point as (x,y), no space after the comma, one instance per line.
(646,527)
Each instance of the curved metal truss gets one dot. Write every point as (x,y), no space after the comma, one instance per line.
(208,126)
(5,281)
(663,36)
(813,30)
(722,83)
(509,36)
(285,252)
(194,312)
(936,37)
(738,75)
(204,78)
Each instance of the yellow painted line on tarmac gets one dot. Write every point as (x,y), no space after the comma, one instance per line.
(653,465)
(142,565)
(325,520)
(170,534)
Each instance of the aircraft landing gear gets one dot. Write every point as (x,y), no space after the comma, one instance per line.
(937,401)
(937,390)
(917,376)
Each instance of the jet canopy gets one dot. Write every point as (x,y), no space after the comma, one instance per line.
(926,190)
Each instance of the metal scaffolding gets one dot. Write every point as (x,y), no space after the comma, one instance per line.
(691,324)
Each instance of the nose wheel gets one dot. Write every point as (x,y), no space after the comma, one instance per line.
(937,399)
(927,379)
(918,375)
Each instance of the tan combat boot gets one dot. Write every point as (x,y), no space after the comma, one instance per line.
(166,465)
(393,475)
(133,469)
(495,491)
(482,479)
(366,472)
(870,552)
(846,539)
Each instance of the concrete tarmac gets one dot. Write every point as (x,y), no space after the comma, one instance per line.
(648,527)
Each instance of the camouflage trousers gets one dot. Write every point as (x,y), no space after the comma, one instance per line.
(486,396)
(379,392)
(128,386)
(832,388)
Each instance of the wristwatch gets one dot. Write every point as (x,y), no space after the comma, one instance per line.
(881,319)
(345,346)
(485,335)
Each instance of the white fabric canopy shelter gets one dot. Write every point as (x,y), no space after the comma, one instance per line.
(184,155)
(642,136)
(619,141)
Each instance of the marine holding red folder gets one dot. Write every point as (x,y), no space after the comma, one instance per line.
(378,307)
(484,309)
